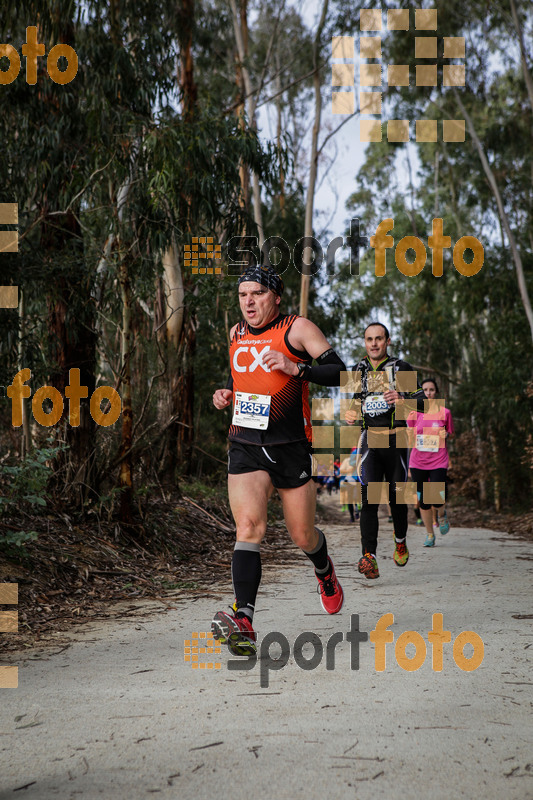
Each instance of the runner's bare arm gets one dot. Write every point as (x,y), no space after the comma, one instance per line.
(308,338)
(305,335)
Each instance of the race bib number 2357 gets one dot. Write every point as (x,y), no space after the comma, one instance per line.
(251,410)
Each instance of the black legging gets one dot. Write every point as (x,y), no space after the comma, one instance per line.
(378,464)
(422,476)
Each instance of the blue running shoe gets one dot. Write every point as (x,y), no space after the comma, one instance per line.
(430,540)
(444,525)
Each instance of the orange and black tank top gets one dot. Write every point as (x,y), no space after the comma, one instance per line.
(290,418)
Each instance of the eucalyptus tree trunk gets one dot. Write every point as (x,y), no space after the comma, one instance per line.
(525,67)
(71,323)
(244,173)
(496,477)
(126,465)
(26,442)
(313,167)
(72,345)
(176,323)
(279,129)
(482,483)
(172,322)
(240,27)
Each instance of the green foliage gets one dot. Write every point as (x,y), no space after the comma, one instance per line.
(17,539)
(24,484)
(24,490)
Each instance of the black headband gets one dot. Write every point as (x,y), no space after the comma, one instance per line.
(265,275)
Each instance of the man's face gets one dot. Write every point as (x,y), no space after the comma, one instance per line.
(429,391)
(376,343)
(258,304)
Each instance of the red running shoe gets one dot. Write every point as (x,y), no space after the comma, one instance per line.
(236,632)
(330,590)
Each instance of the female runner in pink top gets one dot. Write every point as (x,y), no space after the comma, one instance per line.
(429,457)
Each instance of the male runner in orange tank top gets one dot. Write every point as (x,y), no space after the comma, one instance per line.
(270,443)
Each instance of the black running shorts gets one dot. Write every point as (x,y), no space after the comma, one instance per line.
(421,476)
(289,465)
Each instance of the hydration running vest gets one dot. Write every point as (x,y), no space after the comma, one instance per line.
(374,409)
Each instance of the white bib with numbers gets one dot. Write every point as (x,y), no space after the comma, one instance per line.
(375,404)
(427,443)
(251,410)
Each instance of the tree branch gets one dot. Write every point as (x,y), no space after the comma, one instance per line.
(489,174)
(337,129)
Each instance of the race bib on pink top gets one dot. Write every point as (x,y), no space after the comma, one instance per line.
(430,451)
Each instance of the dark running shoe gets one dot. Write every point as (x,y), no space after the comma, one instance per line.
(330,590)
(236,632)
(368,566)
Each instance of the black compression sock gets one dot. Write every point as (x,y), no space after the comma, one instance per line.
(319,556)
(246,574)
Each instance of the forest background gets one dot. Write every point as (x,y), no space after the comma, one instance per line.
(158,140)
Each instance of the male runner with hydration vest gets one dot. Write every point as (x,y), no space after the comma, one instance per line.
(385,458)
